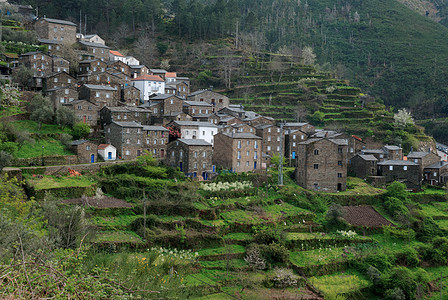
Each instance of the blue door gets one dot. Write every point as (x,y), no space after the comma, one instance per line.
(180,166)
(92,158)
(294,155)
(255,165)
(204,175)
(109,155)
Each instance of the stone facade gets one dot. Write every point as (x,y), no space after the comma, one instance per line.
(393,152)
(97,50)
(217,100)
(436,174)
(423,159)
(302,126)
(322,164)
(193,157)
(403,171)
(62,95)
(197,108)
(109,114)
(92,66)
(170,103)
(60,65)
(292,140)
(121,67)
(40,63)
(102,95)
(238,152)
(57,30)
(155,140)
(131,96)
(271,139)
(86,151)
(363,166)
(126,137)
(61,79)
(85,111)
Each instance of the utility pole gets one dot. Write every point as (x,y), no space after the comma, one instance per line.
(280,162)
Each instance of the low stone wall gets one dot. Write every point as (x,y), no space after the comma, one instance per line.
(61,170)
(52,160)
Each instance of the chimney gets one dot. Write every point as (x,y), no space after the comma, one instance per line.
(210,88)
(412,149)
(326,134)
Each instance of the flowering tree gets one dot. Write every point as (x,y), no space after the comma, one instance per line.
(403,118)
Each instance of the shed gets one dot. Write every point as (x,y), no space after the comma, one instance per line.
(107,152)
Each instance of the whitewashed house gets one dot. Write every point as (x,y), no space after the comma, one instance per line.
(107,152)
(149,85)
(197,130)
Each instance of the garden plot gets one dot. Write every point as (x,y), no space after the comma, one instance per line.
(436,210)
(365,216)
(103,202)
(117,237)
(340,283)
(219,253)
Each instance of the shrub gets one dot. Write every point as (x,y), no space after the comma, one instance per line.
(268,236)
(374,275)
(254,258)
(441,243)
(394,294)
(284,278)
(402,278)
(275,253)
(397,190)
(409,256)
(426,229)
(380,261)
(81,130)
(334,218)
(396,207)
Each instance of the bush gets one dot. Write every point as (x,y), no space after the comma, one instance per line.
(397,190)
(81,130)
(395,207)
(380,261)
(334,220)
(268,236)
(395,294)
(426,229)
(409,257)
(254,258)
(284,278)
(267,255)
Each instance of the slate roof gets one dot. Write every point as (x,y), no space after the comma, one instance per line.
(127,124)
(437,165)
(392,147)
(263,126)
(45,41)
(56,21)
(341,142)
(197,103)
(376,151)
(100,87)
(197,93)
(194,142)
(417,154)
(79,142)
(397,163)
(292,124)
(241,135)
(90,44)
(158,71)
(195,123)
(368,157)
(154,128)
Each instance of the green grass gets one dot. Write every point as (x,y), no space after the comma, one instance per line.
(118,236)
(431,191)
(222,264)
(318,256)
(442,224)
(51,147)
(10,111)
(341,282)
(238,236)
(357,186)
(120,222)
(430,210)
(32,127)
(50,182)
(240,217)
(275,210)
(222,250)
(209,277)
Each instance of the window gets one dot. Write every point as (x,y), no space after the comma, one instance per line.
(194,132)
(248,143)
(203,165)
(172,153)
(204,154)
(293,136)
(316,166)
(316,152)
(339,175)
(147,141)
(89,107)
(128,130)
(339,150)
(247,153)
(87,147)
(256,144)
(155,142)
(278,148)
(181,153)
(339,162)
(79,107)
(97,95)
(195,165)
(416,161)
(247,163)
(239,155)
(435,174)
(255,155)
(128,141)
(119,117)
(269,138)
(269,148)
(195,154)
(278,139)
(66,91)
(251,130)
(203,132)
(405,168)
(391,168)
(171,101)
(89,118)
(302,137)
(381,155)
(155,110)
(55,79)
(107,95)
(239,144)
(238,163)
(269,130)
(294,144)
(127,152)
(186,132)
(193,111)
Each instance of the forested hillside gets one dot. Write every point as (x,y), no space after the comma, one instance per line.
(384,47)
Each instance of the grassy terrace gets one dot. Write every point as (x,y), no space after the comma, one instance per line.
(52,182)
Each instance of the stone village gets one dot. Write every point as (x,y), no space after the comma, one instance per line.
(135,110)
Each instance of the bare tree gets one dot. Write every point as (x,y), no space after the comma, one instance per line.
(165,64)
(308,55)
(277,66)
(145,49)
(300,112)
(228,64)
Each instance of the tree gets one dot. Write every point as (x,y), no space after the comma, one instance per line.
(300,112)
(228,65)
(403,118)
(165,64)
(81,130)
(308,55)
(277,66)
(5,159)
(23,77)
(41,110)
(23,137)
(65,117)
(145,49)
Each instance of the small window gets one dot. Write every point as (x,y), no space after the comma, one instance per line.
(269,130)
(316,166)
(339,175)
(269,138)
(203,165)
(128,141)
(87,147)
(108,130)
(391,168)
(247,163)
(268,148)
(435,174)
(316,152)
(238,164)
(89,107)
(339,150)
(181,154)
(294,144)
(127,152)
(339,162)
(138,141)
(97,95)
(247,153)
(416,161)
(128,130)
(405,168)
(204,154)
(239,144)
(195,165)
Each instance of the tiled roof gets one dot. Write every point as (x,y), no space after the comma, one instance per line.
(194,123)
(194,142)
(116,53)
(147,77)
(170,75)
(104,146)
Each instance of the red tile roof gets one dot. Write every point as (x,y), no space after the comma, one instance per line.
(103,146)
(116,53)
(147,77)
(171,74)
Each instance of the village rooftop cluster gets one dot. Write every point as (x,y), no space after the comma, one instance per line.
(135,109)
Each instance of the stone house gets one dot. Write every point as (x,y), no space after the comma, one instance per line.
(127,137)
(193,157)
(86,151)
(120,66)
(93,38)
(225,119)
(255,119)
(196,130)
(97,50)
(169,104)
(158,72)
(423,159)
(236,111)
(292,139)
(322,164)
(237,152)
(155,139)
(107,152)
(108,114)
(139,70)
(217,100)
(363,166)
(54,47)
(85,111)
(57,30)
(149,85)
(436,174)
(404,171)
(102,78)
(180,88)
(302,126)
(130,95)
(271,139)
(61,79)
(237,127)
(197,108)
(166,119)
(211,118)
(62,95)
(60,65)
(393,152)
(102,95)
(40,63)
(379,154)
(92,66)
